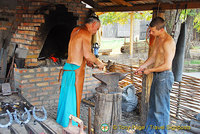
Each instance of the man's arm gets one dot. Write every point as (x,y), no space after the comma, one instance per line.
(88,55)
(148,62)
(169,52)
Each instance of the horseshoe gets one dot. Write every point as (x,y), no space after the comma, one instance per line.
(10,122)
(28,116)
(16,119)
(22,122)
(37,118)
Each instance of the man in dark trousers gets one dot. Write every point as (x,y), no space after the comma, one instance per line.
(163,79)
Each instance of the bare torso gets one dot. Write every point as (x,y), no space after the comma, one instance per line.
(75,49)
(160,56)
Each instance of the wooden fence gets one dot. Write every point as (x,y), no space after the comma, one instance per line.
(184,97)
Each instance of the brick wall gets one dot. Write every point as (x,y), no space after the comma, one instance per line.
(40,86)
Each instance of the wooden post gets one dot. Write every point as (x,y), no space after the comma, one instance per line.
(89,120)
(178,102)
(131,35)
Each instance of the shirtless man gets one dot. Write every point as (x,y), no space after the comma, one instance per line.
(163,79)
(79,52)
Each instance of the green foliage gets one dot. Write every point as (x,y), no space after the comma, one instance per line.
(191,12)
(146,15)
(197,22)
(122,17)
(114,17)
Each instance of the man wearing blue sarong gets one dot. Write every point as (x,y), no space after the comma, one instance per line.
(79,53)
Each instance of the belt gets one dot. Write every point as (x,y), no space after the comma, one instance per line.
(61,73)
(162,72)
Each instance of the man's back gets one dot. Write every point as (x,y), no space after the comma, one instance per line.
(75,50)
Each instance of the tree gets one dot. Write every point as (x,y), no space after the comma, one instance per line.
(192,19)
(191,16)
(195,13)
(123,17)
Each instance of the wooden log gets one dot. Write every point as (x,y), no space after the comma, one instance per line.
(107,111)
(105,51)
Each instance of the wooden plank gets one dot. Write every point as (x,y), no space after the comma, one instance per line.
(122,2)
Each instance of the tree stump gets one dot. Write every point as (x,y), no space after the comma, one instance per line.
(107,112)
(107,103)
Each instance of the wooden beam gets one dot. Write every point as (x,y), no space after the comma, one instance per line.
(122,2)
(145,7)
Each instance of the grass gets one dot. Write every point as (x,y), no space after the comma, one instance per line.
(195,62)
(196,47)
(192,62)
(113,43)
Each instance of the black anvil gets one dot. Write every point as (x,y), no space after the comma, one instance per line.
(109,81)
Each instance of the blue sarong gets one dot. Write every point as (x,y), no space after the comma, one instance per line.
(67,100)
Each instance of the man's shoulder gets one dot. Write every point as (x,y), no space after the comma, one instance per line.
(169,40)
(83,32)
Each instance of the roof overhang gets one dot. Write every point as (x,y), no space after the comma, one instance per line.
(140,5)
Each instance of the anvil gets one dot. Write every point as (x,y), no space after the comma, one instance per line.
(109,81)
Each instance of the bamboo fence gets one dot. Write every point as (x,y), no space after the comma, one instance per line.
(184,97)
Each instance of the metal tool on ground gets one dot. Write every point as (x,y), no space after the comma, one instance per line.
(38,118)
(14,110)
(10,121)
(23,121)
(74,129)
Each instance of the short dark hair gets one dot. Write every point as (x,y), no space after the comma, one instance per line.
(92,19)
(158,22)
